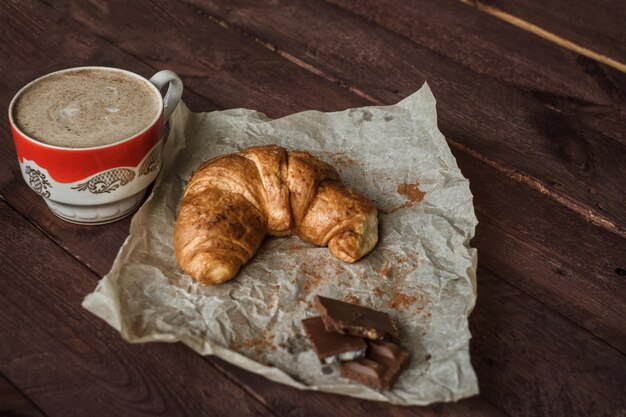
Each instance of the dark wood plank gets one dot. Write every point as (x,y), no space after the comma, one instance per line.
(597,26)
(532,362)
(570,162)
(209,58)
(582,89)
(539,247)
(14,404)
(73,364)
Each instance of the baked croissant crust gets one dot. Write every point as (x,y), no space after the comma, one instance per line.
(232,202)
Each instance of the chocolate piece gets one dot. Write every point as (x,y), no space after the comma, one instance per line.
(365,371)
(392,356)
(331,347)
(355,320)
(381,366)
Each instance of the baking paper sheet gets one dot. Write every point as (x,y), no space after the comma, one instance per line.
(422,271)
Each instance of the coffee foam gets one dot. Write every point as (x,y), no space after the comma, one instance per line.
(85,108)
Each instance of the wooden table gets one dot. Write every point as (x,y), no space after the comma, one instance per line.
(531,98)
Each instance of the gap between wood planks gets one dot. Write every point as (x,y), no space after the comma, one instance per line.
(537,185)
(528,180)
(547,35)
(57,242)
(20,404)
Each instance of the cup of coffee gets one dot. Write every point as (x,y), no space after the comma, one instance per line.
(89,139)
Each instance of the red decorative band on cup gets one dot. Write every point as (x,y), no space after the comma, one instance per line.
(67,165)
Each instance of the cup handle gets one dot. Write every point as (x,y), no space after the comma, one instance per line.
(174,91)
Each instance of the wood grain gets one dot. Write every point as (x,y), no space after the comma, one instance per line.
(73,364)
(293,402)
(531,361)
(14,404)
(539,247)
(209,58)
(511,131)
(596,26)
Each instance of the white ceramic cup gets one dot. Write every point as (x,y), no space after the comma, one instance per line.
(99,184)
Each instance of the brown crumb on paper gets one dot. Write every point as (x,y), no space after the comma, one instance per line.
(296,245)
(271,303)
(378,292)
(340,159)
(259,346)
(411,192)
(397,266)
(353,299)
(312,278)
(401,300)
(339,269)
(386,269)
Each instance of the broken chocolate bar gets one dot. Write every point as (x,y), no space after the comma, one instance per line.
(331,347)
(355,320)
(381,366)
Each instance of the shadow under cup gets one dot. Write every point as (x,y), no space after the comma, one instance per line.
(98,184)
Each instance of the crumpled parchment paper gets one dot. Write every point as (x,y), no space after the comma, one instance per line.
(422,271)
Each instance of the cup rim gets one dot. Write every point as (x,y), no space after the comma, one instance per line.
(93,67)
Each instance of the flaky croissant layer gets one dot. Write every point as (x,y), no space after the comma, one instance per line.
(232,202)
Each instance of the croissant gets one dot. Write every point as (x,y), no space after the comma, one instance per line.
(233,201)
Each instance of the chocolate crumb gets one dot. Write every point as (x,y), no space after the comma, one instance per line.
(312,277)
(378,292)
(401,300)
(351,299)
(411,192)
(386,270)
